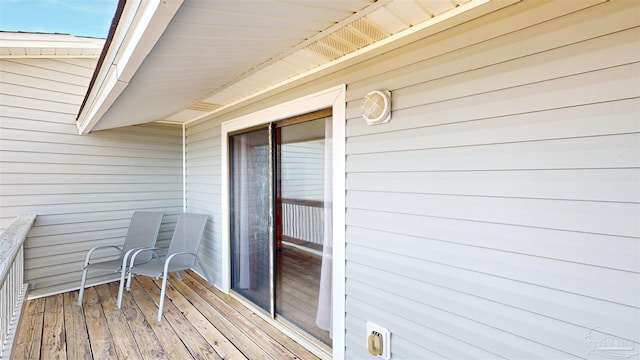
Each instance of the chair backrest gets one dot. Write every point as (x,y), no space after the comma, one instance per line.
(143,232)
(187,237)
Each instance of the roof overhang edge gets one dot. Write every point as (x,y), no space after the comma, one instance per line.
(139,28)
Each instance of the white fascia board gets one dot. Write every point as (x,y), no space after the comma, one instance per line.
(141,25)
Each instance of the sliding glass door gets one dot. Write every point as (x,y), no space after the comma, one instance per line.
(281,221)
(251,223)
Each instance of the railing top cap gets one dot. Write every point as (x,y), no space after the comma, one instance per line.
(11,239)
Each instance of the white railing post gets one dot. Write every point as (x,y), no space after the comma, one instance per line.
(13,290)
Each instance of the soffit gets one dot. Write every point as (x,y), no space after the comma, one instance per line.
(215,53)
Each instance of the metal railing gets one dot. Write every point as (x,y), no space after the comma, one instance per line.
(13,290)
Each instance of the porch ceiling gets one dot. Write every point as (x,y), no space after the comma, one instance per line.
(207,55)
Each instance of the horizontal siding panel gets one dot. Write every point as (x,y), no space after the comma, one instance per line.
(98,150)
(208,148)
(98,217)
(35,93)
(621,218)
(619,185)
(37,69)
(44,168)
(81,159)
(68,69)
(210,182)
(27,81)
(72,140)
(84,188)
(13,118)
(601,283)
(76,199)
(612,118)
(96,179)
(59,209)
(610,84)
(622,253)
(617,151)
(38,104)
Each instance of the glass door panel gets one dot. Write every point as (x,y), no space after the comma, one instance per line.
(303,226)
(251,222)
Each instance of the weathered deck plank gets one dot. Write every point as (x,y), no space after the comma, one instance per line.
(54,344)
(200,284)
(199,322)
(195,343)
(193,309)
(102,346)
(150,346)
(123,340)
(78,346)
(30,333)
(173,346)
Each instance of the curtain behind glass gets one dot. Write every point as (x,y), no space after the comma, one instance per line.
(324,316)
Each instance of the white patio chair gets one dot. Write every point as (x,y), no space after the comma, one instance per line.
(142,233)
(182,255)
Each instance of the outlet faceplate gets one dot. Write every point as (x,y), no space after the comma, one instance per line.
(386,339)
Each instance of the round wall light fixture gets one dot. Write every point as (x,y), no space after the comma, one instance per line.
(376,107)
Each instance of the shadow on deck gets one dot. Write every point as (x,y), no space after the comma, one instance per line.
(200,322)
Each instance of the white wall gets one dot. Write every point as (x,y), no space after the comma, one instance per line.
(83,188)
(497,214)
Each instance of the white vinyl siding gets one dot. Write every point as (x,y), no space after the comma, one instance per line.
(497,215)
(83,188)
(203,173)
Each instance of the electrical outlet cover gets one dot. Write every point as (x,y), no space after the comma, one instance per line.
(386,339)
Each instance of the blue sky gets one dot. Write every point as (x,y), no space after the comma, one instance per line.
(76,17)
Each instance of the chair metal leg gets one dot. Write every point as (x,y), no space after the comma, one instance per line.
(121,288)
(82,283)
(162,294)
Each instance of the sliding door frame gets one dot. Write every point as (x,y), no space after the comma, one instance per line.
(334,98)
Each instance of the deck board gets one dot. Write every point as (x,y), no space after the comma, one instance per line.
(300,351)
(199,322)
(102,346)
(30,337)
(78,346)
(53,332)
(123,339)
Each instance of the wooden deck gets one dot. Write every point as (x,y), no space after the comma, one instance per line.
(200,322)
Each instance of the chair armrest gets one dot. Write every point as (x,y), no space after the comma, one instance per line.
(170,257)
(129,253)
(91,251)
(140,250)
